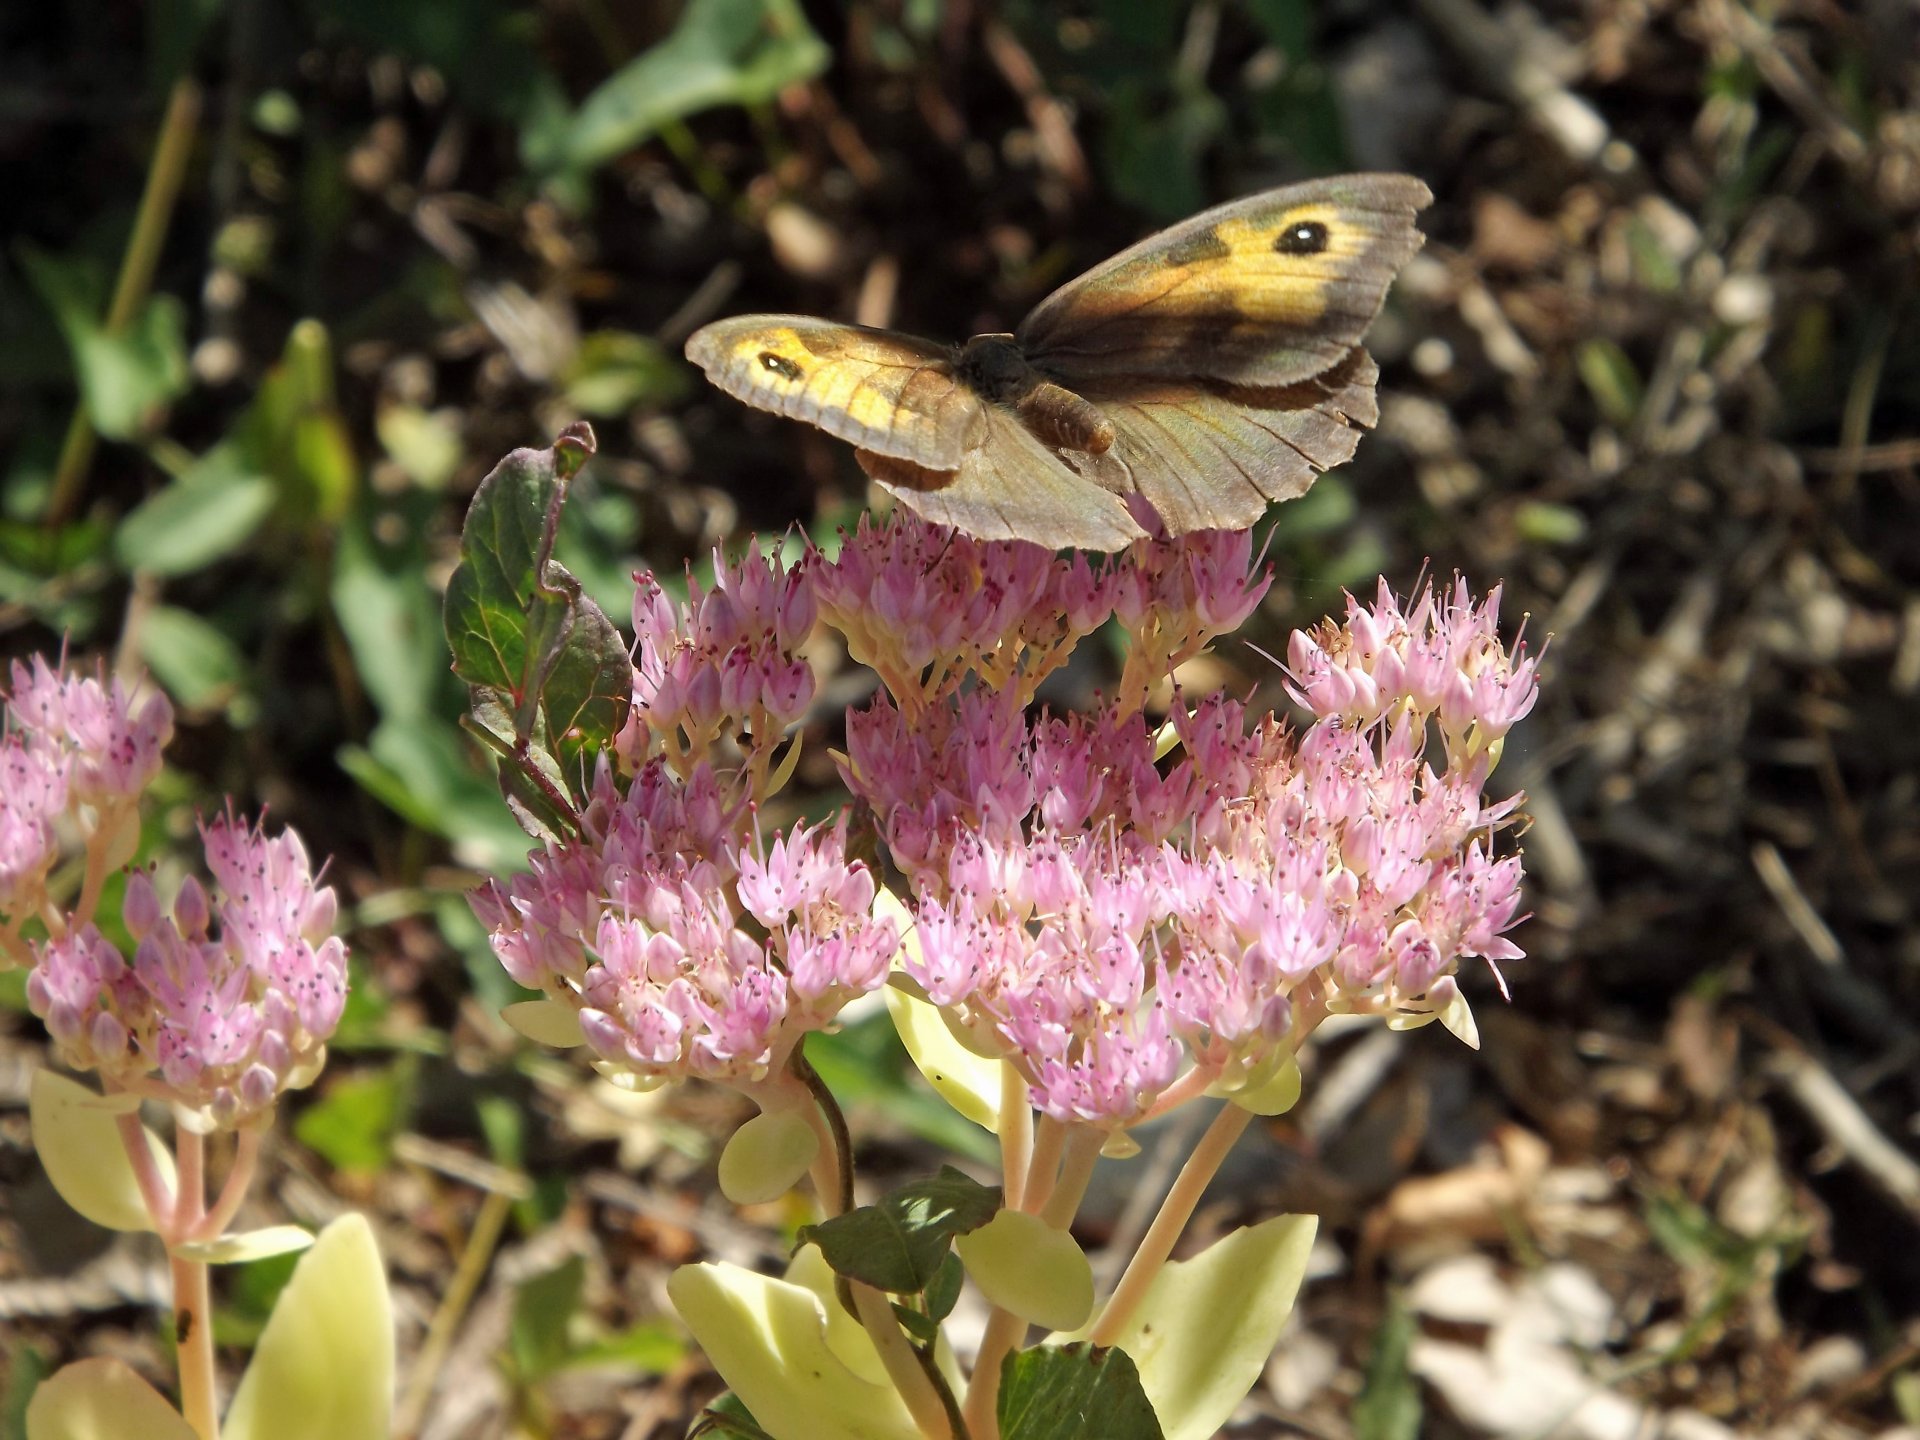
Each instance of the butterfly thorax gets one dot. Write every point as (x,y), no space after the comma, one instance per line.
(994,368)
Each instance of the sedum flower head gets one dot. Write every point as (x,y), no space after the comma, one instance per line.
(924,607)
(1113,924)
(33,797)
(689,947)
(723,665)
(1129,914)
(111,743)
(223,1005)
(76,754)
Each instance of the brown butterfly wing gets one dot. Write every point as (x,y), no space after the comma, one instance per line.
(1209,456)
(1010,487)
(888,393)
(1213,297)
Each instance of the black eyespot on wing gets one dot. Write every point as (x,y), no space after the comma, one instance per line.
(780,365)
(1308,237)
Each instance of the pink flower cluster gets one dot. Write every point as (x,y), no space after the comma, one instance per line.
(220,1022)
(924,607)
(1441,658)
(689,947)
(1130,915)
(724,664)
(1128,932)
(74,747)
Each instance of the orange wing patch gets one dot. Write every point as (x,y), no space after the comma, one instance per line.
(886,392)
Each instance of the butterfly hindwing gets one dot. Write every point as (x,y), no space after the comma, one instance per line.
(1265,291)
(889,393)
(1213,457)
(1011,487)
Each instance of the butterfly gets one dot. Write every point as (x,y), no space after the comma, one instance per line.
(1210,369)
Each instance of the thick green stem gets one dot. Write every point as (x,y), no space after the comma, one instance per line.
(1157,1244)
(150,224)
(1016,1134)
(192,1295)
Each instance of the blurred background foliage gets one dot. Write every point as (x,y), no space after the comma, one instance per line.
(282,279)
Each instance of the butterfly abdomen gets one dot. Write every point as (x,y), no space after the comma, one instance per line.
(1062,419)
(994,368)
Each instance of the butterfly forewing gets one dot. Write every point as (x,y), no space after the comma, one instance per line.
(889,393)
(1265,291)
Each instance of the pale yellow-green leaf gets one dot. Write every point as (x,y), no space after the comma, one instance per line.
(324,1366)
(1202,1334)
(968,1082)
(1457,1016)
(767,1338)
(78,1141)
(766,1157)
(1022,1264)
(545,1022)
(102,1400)
(246,1245)
(1274,1094)
(846,1336)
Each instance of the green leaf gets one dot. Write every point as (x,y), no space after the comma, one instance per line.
(195,661)
(723,52)
(207,514)
(129,379)
(899,1244)
(727,1419)
(615,370)
(425,445)
(544,1307)
(545,1022)
(649,1348)
(1388,1406)
(517,624)
(866,1065)
(1024,1265)
(1611,379)
(26,1372)
(1206,1326)
(943,1291)
(352,1126)
(77,1137)
(324,1365)
(102,1400)
(970,1083)
(767,1338)
(767,1156)
(1541,523)
(390,614)
(424,770)
(125,379)
(247,1245)
(1074,1392)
